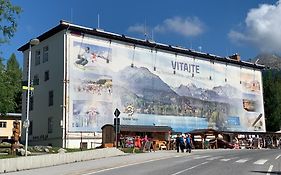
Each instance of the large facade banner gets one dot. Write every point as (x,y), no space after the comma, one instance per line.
(153,87)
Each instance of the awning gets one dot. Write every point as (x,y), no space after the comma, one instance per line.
(204,131)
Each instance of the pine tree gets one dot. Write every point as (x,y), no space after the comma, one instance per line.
(6,94)
(272,99)
(14,75)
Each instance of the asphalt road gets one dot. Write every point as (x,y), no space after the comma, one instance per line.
(199,162)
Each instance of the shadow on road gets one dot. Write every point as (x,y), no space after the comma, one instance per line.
(265,172)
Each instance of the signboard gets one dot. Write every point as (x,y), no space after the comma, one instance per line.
(116,113)
(161,88)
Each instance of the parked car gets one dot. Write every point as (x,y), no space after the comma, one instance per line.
(221,144)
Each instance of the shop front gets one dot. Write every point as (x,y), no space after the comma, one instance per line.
(158,136)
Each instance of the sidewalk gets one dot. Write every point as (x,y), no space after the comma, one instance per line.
(85,160)
(31,162)
(97,164)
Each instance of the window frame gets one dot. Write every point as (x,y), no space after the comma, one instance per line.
(36,77)
(37,57)
(46,75)
(3,124)
(31,103)
(30,129)
(45,54)
(50,125)
(51,98)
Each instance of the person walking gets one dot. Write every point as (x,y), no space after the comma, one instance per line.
(178,142)
(188,144)
(182,145)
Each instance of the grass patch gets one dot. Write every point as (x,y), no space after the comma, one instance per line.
(7,156)
(131,150)
(38,150)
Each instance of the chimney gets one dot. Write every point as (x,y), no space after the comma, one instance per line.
(235,57)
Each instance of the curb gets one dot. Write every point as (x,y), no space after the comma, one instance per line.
(31,162)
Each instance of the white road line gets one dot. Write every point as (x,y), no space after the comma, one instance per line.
(260,162)
(214,158)
(242,160)
(269,170)
(122,166)
(277,157)
(225,160)
(200,157)
(189,168)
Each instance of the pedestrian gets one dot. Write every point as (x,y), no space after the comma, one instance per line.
(182,145)
(188,143)
(178,143)
(137,142)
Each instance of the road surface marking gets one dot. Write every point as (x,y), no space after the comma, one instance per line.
(200,157)
(122,166)
(260,162)
(214,158)
(277,157)
(189,168)
(225,160)
(269,170)
(242,160)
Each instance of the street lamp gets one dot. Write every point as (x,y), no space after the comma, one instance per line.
(32,42)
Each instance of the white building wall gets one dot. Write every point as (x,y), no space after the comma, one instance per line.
(62,53)
(41,109)
(73,139)
(91,140)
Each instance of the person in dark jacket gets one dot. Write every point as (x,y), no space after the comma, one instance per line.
(182,145)
(178,142)
(188,143)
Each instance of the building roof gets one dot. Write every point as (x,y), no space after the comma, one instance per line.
(64,25)
(213,131)
(204,131)
(145,128)
(10,116)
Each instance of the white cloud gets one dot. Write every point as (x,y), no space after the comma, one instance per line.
(185,27)
(137,28)
(262,28)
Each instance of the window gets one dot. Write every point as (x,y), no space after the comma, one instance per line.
(51,98)
(30,129)
(3,124)
(50,125)
(31,102)
(46,77)
(45,54)
(37,57)
(36,80)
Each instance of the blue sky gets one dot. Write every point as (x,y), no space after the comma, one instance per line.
(220,27)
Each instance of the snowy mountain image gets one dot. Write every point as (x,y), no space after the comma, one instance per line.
(149,94)
(145,84)
(218,93)
(192,91)
(227,91)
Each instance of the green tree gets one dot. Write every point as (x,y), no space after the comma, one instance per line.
(272,99)
(8,23)
(6,95)
(14,76)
